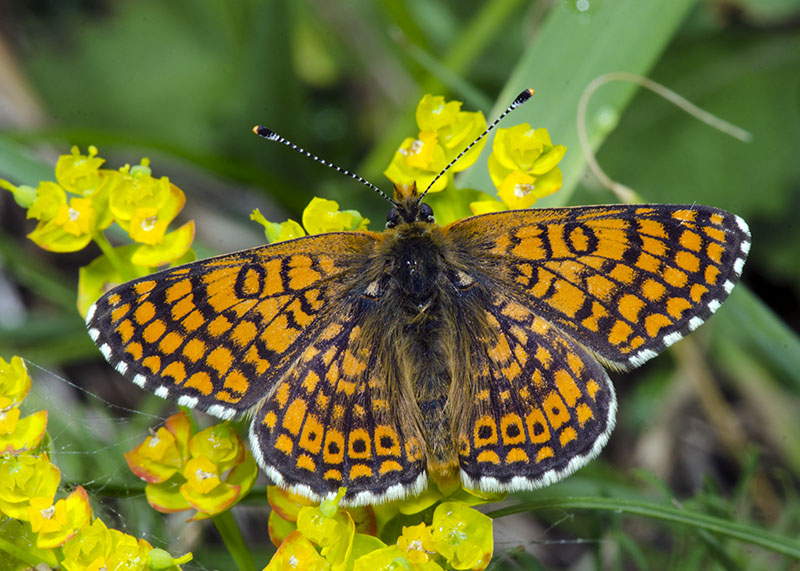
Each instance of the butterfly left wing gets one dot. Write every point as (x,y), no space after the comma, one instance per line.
(218,333)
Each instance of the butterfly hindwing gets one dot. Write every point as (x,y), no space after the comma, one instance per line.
(218,333)
(625,281)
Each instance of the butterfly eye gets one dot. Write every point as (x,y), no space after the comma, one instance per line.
(425,213)
(392,218)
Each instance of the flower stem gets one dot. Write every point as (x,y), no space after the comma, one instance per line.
(232,537)
(107,249)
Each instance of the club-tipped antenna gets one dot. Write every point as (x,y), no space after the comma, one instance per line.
(521,98)
(273,136)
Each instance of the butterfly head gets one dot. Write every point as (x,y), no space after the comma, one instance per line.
(408,207)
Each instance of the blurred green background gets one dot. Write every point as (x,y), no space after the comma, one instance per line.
(713,424)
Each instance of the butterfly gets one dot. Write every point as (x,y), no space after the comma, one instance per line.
(375,360)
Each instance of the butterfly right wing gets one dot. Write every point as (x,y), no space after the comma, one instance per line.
(217,334)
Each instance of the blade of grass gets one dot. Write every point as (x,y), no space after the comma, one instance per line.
(734,530)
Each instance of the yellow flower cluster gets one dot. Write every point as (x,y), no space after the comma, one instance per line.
(321,215)
(86,199)
(326,537)
(41,529)
(209,471)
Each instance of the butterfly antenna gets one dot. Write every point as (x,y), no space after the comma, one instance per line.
(521,98)
(273,136)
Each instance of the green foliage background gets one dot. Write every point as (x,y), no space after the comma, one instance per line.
(710,429)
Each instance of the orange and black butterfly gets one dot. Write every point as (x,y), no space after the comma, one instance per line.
(373,360)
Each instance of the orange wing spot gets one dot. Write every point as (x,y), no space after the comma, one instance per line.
(715,251)
(359,412)
(359,444)
(653,290)
(567,435)
(463,444)
(516,455)
(311,381)
(613,245)
(544,452)
(623,274)
(584,413)
(181,308)
(556,410)
(253,282)
(538,379)
(697,291)
(114,299)
(630,306)
(386,441)
(334,475)
(521,355)
(244,333)
(170,342)
(483,395)
(529,249)
(311,437)
(567,387)
(194,350)
(488,456)
(126,330)
(648,263)
(312,299)
(333,449)
(267,308)
(284,444)
(270,420)
(576,364)
(294,416)
(296,309)
(516,311)
(687,261)
(600,286)
(501,245)
(389,466)
(119,312)
(653,246)
(656,322)
(338,412)
(352,366)
(255,359)
(619,333)
(635,342)
(142,288)
(380,405)
(235,381)
(685,215)
(592,387)
(652,228)
(331,331)
(193,321)
(519,334)
(711,274)
(716,219)
(144,313)
(485,431)
(278,335)
(176,370)
(322,400)
(220,359)
(525,269)
(544,357)
(567,298)
(542,285)
(302,276)
(538,429)
(675,277)
(178,290)
(345,387)
(360,471)
(219,325)
(200,381)
(153,362)
(677,305)
(273,284)
(500,352)
(227,396)
(512,371)
(691,240)
(512,430)
(134,350)
(305,462)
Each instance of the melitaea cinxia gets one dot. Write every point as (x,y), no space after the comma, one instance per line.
(369,360)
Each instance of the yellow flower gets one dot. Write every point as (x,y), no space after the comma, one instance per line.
(323,215)
(69,230)
(295,553)
(15,382)
(56,523)
(21,435)
(163,454)
(462,535)
(278,231)
(417,542)
(136,189)
(445,131)
(23,478)
(79,173)
(523,165)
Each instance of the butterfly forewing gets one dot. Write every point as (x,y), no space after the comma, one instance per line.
(625,281)
(212,334)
